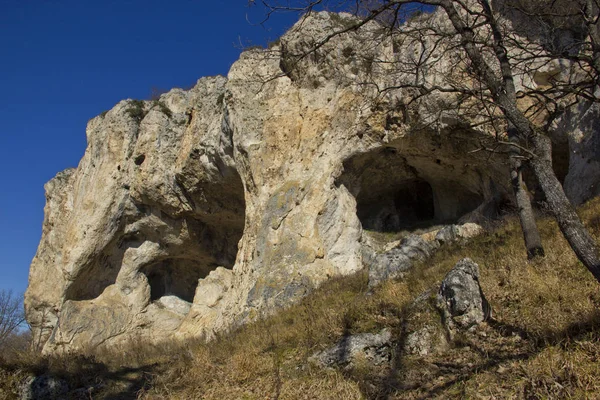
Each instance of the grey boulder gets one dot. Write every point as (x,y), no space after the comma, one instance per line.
(464,301)
(372,347)
(393,263)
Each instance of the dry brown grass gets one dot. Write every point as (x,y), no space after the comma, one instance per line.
(542,343)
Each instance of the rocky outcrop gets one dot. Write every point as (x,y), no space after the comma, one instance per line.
(395,262)
(465,304)
(374,348)
(211,207)
(430,323)
(435,317)
(452,233)
(399,257)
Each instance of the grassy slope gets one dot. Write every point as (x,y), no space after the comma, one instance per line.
(543,340)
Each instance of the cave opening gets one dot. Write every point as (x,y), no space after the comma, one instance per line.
(409,204)
(175,277)
(101,272)
(399,191)
(191,246)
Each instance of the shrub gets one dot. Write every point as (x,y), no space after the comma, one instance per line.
(163,108)
(11,314)
(136,110)
(255,47)
(155,93)
(220,99)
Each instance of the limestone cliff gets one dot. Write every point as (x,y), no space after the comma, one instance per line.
(211,207)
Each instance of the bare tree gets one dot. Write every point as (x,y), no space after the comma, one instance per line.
(499,49)
(11,314)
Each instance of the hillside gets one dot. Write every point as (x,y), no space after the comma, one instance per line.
(541,342)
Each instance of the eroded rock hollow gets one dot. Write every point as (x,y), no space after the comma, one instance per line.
(211,207)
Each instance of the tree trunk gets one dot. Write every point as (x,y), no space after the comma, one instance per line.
(531,235)
(582,243)
(502,90)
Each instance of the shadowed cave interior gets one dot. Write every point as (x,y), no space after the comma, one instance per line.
(177,277)
(396,192)
(208,239)
(409,204)
(214,246)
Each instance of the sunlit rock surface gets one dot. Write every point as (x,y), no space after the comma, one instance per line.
(215,206)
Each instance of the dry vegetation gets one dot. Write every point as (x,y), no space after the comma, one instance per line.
(543,341)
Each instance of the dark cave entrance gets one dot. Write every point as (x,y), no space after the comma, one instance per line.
(159,286)
(397,192)
(208,247)
(408,205)
(174,277)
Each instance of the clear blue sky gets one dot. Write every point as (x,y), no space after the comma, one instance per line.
(63,62)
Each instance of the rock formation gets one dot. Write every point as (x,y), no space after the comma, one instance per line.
(211,207)
(437,315)
(429,324)
(376,348)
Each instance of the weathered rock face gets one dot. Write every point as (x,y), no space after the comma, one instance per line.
(436,316)
(462,295)
(375,348)
(217,205)
(583,128)
(155,205)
